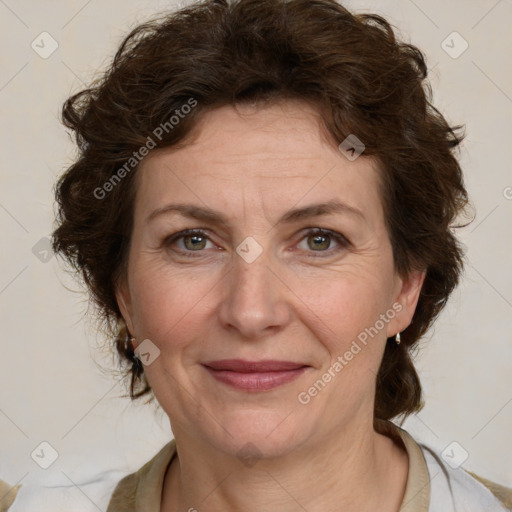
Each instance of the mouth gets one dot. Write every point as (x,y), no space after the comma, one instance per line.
(254,375)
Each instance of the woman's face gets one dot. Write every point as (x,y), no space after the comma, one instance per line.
(262,284)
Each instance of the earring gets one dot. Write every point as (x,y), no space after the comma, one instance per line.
(397,338)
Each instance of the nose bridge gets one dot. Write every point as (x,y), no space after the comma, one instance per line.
(253,300)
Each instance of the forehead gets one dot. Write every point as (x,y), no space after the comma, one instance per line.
(274,155)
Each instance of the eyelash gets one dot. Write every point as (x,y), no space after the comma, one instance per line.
(338,237)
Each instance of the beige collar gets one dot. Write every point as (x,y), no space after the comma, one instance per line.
(417,490)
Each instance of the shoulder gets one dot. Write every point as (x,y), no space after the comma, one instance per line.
(88,495)
(463,489)
(504,494)
(7,495)
(438,483)
(113,491)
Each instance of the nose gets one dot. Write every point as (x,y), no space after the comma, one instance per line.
(255,298)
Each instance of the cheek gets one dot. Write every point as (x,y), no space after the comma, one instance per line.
(169,305)
(345,303)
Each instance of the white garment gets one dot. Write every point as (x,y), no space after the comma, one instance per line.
(451,490)
(455,490)
(91,496)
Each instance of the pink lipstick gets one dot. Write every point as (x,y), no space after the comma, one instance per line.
(254,375)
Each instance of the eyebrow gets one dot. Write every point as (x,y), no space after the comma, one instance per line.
(206,214)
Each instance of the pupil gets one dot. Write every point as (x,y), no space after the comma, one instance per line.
(319,238)
(195,240)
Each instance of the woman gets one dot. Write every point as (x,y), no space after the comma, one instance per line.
(263,209)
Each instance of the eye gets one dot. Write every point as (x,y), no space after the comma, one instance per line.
(320,240)
(194,240)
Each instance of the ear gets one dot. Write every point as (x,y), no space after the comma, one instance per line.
(407,293)
(124,301)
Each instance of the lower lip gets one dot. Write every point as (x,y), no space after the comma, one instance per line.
(256,381)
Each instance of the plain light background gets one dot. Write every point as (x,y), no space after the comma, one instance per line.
(52,386)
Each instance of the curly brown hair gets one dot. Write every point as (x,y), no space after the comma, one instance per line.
(359,76)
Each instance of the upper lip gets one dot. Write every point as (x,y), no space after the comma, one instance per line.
(244,366)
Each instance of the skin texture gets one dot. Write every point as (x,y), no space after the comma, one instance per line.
(302,299)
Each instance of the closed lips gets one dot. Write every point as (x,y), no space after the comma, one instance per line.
(254,376)
(242,366)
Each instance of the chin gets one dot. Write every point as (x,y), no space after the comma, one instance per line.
(257,434)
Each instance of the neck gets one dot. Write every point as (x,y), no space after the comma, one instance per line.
(356,470)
